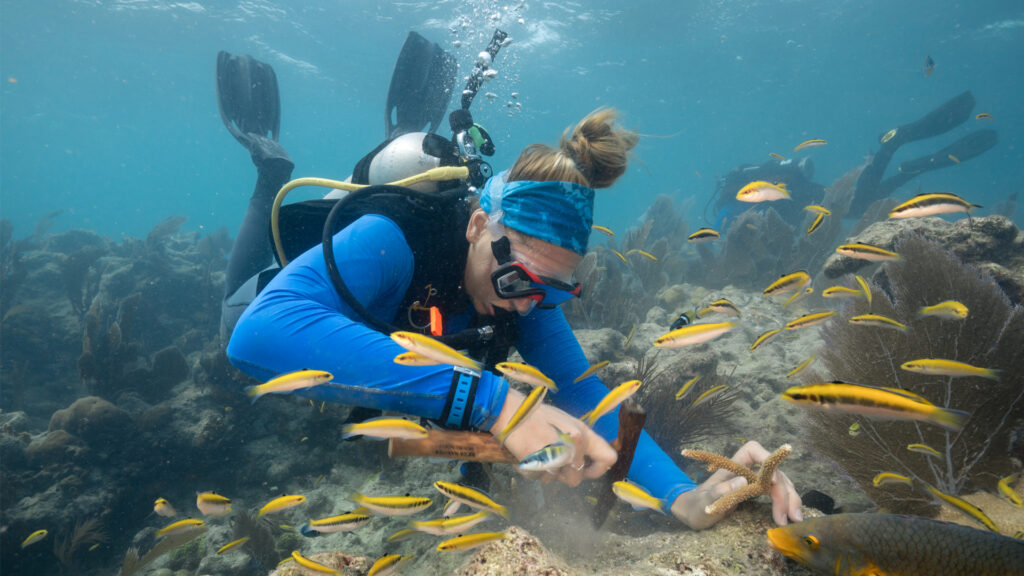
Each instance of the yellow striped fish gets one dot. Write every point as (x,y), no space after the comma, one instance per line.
(941,367)
(453,525)
(281,503)
(470,497)
(812,143)
(431,348)
(932,204)
(883,478)
(313,565)
(290,382)
(385,427)
(389,564)
(818,209)
(721,306)
(393,505)
(865,288)
(709,394)
(964,506)
(924,449)
(811,319)
(764,338)
(948,310)
(637,496)
(603,230)
(800,368)
(592,370)
(533,400)
(232,545)
(704,235)
(181,526)
(1008,492)
(874,402)
(469,541)
(686,387)
(792,282)
(840,292)
(867,252)
(816,224)
(526,374)
(878,321)
(332,524)
(694,334)
(39,535)
(616,396)
(211,504)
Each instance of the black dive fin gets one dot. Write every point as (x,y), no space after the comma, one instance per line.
(973,144)
(421,87)
(247,98)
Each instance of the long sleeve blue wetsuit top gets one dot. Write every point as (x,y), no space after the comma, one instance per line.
(298,321)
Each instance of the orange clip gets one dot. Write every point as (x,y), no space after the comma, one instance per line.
(436,327)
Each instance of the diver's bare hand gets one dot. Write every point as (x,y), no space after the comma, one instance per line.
(689,506)
(594,456)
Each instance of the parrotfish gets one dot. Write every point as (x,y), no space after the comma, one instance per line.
(849,544)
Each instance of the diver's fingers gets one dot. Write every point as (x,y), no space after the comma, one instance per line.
(751,453)
(598,457)
(785,500)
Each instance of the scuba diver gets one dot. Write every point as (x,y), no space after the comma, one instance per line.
(479,261)
(798,175)
(954,112)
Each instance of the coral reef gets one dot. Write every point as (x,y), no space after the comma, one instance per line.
(993,243)
(991,336)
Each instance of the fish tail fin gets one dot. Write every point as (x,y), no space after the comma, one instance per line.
(586,419)
(346,432)
(253,393)
(503,512)
(952,419)
(992,373)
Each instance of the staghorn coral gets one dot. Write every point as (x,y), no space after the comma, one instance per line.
(757,484)
(992,336)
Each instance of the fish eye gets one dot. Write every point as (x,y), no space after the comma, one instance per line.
(811,541)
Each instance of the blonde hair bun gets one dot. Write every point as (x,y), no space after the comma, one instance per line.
(594,152)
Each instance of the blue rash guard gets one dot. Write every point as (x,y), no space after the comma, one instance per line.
(299,321)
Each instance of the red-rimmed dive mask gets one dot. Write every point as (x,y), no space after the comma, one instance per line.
(513,279)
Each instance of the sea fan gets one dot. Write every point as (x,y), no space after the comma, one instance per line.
(992,336)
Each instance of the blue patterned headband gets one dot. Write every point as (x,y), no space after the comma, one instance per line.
(560,213)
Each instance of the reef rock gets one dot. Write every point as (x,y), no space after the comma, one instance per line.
(992,243)
(344,563)
(518,554)
(94,420)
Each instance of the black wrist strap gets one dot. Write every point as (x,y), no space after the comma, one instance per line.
(458,407)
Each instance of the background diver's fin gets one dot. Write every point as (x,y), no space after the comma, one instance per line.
(421,87)
(247,97)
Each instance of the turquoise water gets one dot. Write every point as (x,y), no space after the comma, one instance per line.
(108,108)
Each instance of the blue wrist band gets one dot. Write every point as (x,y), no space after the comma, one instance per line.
(458,407)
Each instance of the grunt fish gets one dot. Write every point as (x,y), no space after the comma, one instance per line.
(840,292)
(863,544)
(180,527)
(1007,491)
(637,496)
(389,564)
(813,142)
(811,319)
(703,235)
(211,504)
(686,387)
(233,544)
(35,537)
(764,338)
(964,506)
(616,396)
(532,401)
(470,497)
(163,508)
(878,321)
(721,306)
(591,370)
(924,449)
(816,224)
(447,526)
(941,367)
(865,288)
(332,524)
(694,334)
(526,374)
(431,348)
(867,252)
(800,368)
(469,541)
(761,191)
(385,427)
(794,281)
(948,310)
(393,505)
(290,382)
(709,394)
(312,565)
(281,503)
(883,478)
(874,402)
(932,204)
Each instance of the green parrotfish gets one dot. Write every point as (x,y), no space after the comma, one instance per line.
(856,544)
